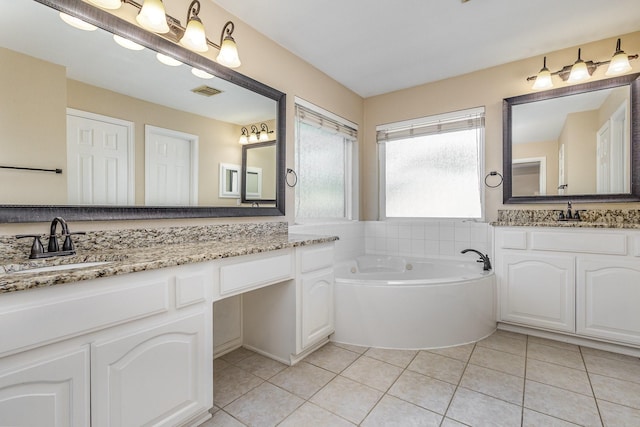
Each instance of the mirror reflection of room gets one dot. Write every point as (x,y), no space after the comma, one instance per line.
(153,137)
(577,144)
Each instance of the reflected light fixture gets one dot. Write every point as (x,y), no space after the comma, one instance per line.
(194,37)
(126,43)
(543,79)
(264,132)
(255,135)
(167,60)
(619,63)
(244,138)
(202,74)
(153,17)
(583,70)
(107,4)
(77,23)
(579,70)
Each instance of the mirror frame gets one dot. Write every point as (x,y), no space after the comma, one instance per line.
(633,80)
(243,172)
(116,25)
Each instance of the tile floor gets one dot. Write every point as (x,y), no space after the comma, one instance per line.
(507,379)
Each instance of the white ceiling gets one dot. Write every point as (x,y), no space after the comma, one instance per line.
(378,46)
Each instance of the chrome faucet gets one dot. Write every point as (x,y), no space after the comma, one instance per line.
(483,258)
(53,249)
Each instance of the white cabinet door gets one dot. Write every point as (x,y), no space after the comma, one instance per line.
(156,376)
(538,290)
(51,391)
(608,299)
(317,306)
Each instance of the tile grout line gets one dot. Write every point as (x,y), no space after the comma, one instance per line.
(466,365)
(524,380)
(595,399)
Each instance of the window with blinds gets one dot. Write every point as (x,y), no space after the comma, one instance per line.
(432,167)
(323,163)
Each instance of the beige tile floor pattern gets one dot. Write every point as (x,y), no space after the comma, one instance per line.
(506,379)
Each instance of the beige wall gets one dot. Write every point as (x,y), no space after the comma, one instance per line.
(579,138)
(481,88)
(32,122)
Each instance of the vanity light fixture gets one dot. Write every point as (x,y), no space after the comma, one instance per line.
(579,70)
(582,70)
(153,17)
(126,43)
(77,23)
(256,134)
(194,37)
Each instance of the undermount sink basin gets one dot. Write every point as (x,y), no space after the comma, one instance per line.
(61,267)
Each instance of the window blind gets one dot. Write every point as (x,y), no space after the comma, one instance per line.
(450,122)
(315,119)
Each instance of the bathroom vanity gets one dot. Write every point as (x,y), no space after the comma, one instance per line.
(580,280)
(130,343)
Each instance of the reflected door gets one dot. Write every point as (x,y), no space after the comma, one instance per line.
(171,167)
(99,160)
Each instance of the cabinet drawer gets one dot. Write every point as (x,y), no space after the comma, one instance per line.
(595,243)
(315,258)
(255,272)
(48,315)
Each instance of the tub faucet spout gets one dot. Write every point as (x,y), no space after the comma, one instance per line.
(483,258)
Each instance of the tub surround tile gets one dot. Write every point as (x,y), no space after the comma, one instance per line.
(129,251)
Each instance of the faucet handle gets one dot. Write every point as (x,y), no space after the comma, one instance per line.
(36,248)
(68,244)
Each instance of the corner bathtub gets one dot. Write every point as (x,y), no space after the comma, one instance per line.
(412,303)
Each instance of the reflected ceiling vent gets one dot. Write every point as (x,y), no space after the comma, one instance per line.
(205,90)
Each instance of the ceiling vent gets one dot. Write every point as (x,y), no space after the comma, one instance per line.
(206,90)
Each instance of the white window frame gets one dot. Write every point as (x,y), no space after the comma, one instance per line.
(382,201)
(351,168)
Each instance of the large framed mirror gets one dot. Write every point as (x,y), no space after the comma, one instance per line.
(93,131)
(578,143)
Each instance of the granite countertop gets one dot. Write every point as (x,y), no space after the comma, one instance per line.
(565,224)
(131,260)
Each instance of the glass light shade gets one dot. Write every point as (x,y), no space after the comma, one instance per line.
(167,60)
(619,64)
(243,140)
(153,17)
(126,43)
(202,74)
(228,55)
(194,37)
(579,72)
(107,4)
(77,23)
(264,136)
(253,137)
(543,80)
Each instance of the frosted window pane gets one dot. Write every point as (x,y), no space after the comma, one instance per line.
(433,176)
(321,174)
